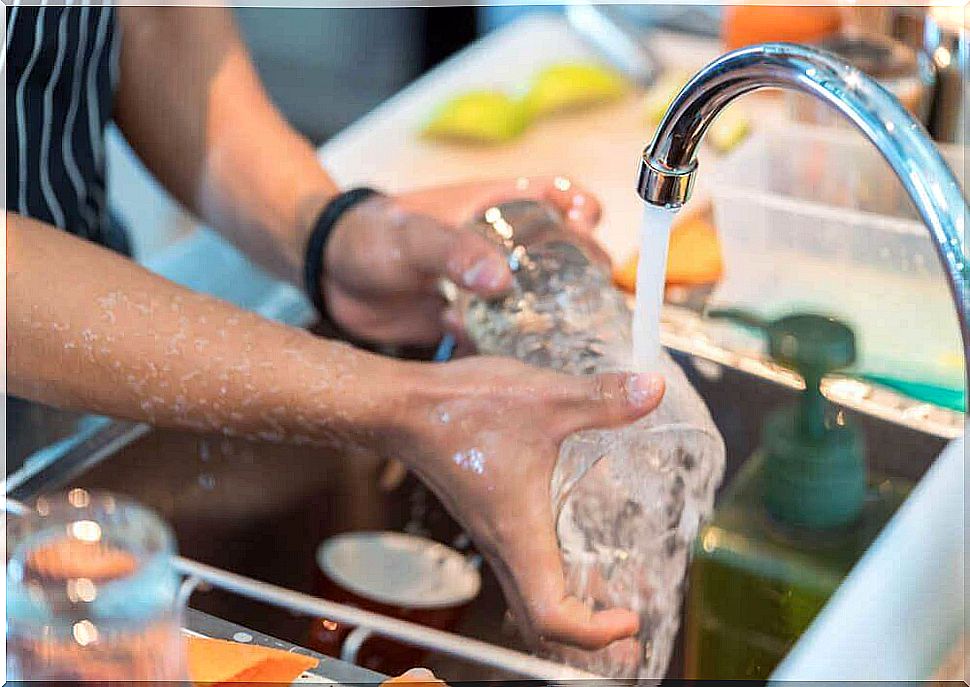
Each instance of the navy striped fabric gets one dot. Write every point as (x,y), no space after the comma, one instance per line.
(62,70)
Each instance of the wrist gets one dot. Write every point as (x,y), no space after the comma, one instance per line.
(319,240)
(410,395)
(356,399)
(373,210)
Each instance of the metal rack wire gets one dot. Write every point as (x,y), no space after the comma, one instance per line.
(369,623)
(366,623)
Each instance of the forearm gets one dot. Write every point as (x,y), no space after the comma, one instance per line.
(191,105)
(89,330)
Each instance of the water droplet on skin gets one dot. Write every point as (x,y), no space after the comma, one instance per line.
(472,460)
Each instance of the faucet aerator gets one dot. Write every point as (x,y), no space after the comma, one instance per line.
(667,188)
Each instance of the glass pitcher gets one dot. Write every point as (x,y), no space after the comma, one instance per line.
(91,592)
(628,501)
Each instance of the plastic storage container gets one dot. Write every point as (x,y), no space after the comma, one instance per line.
(813,219)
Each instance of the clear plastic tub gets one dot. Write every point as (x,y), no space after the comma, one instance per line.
(813,218)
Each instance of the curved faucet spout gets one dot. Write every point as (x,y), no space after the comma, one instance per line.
(669,163)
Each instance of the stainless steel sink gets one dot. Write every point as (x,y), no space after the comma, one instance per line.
(261,509)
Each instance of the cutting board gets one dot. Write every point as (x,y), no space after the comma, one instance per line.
(599,148)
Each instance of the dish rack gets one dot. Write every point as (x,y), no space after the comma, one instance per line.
(366,623)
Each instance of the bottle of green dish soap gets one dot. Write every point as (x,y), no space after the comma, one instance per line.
(793,522)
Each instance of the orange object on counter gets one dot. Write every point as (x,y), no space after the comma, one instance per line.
(217,661)
(625,275)
(693,258)
(748,24)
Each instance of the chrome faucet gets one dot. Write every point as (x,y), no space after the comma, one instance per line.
(669,163)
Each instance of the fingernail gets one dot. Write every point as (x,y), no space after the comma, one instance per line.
(643,388)
(487,273)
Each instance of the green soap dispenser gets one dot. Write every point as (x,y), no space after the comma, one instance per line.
(793,522)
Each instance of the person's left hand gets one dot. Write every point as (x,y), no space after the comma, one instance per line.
(386,255)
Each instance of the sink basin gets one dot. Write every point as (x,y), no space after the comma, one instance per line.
(262,509)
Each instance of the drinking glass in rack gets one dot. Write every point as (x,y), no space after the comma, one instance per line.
(91,592)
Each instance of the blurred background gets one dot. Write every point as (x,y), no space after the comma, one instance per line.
(354,59)
(358,57)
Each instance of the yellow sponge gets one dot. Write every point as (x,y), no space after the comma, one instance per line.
(478,117)
(571,86)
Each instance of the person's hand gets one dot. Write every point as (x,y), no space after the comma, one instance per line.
(415,676)
(484,434)
(386,256)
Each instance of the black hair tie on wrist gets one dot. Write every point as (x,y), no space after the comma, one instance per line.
(317,243)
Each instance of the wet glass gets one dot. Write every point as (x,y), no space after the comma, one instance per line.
(628,501)
(91,592)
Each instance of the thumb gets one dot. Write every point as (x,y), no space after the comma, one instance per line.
(610,400)
(462,256)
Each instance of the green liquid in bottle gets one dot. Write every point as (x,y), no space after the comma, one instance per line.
(792,524)
(756,583)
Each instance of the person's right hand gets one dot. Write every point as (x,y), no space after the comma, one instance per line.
(484,434)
